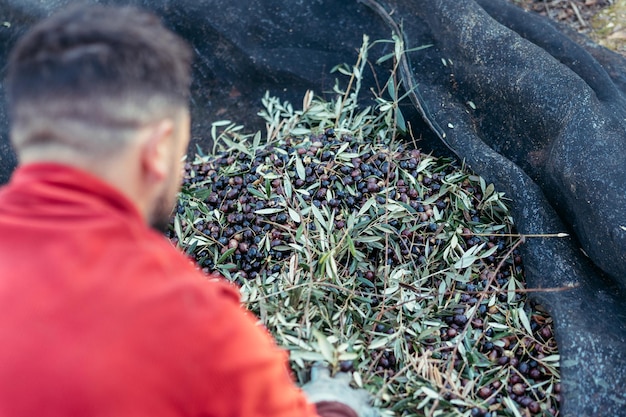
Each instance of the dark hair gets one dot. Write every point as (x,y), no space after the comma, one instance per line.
(106,67)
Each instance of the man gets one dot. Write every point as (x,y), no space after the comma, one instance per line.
(99,315)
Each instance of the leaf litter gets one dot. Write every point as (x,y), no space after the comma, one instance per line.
(355,248)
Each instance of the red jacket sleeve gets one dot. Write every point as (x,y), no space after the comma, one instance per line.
(249,374)
(256,376)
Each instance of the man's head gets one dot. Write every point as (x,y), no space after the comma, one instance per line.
(105,89)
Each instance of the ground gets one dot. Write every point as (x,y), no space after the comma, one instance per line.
(577,13)
(598,19)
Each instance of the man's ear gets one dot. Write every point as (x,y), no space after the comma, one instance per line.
(156,150)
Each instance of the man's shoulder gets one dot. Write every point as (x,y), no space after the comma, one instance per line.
(165,294)
(162,266)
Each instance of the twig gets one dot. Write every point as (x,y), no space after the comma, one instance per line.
(578,15)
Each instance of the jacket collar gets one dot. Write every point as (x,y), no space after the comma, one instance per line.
(61,190)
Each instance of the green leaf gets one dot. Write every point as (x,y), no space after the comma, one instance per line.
(225,255)
(384,58)
(177,228)
(305,355)
(269,210)
(300,171)
(256,192)
(465,261)
(489,252)
(301,131)
(524,319)
(326,348)
(400,120)
(319,216)
(368,204)
(294,215)
(391,89)
(287,186)
(268,187)
(351,247)
(510,294)
(512,406)
(380,342)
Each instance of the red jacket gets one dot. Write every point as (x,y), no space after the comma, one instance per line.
(101,316)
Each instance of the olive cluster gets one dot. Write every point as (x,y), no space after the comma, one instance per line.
(251,204)
(521,357)
(250,192)
(523,360)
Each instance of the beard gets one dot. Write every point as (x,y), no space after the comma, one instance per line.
(161,215)
(165,202)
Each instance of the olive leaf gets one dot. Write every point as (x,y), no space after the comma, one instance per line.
(413,284)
